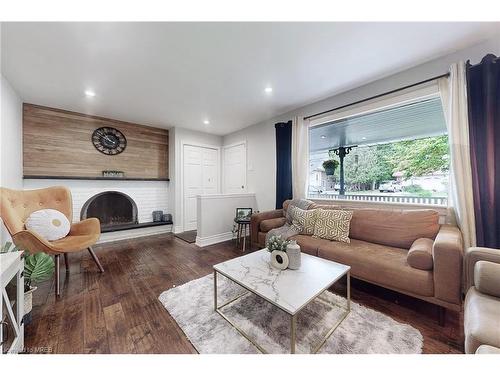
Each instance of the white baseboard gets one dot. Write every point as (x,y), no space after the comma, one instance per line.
(178,229)
(133,233)
(210,240)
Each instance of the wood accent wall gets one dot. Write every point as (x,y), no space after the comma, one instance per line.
(58,143)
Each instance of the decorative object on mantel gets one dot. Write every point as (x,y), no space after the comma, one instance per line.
(293,252)
(166,217)
(113,174)
(157,216)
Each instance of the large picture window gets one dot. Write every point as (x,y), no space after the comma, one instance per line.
(397,154)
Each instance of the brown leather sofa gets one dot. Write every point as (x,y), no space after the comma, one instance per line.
(482,303)
(380,240)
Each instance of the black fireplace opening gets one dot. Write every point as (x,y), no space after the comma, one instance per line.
(113,209)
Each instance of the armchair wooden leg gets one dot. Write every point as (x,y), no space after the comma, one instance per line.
(96,260)
(58,290)
(66,262)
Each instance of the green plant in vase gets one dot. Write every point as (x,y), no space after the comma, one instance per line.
(276,243)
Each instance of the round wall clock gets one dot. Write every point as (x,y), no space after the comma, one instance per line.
(109,141)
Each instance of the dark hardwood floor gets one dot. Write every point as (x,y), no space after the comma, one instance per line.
(119,312)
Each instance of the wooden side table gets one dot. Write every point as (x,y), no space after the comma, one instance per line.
(243,226)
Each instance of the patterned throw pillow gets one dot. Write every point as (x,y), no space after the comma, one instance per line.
(333,225)
(304,219)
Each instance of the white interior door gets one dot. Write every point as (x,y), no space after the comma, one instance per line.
(235,168)
(201,175)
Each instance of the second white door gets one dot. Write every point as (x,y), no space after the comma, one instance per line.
(201,176)
(235,168)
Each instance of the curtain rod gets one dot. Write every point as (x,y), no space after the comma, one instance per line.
(378,96)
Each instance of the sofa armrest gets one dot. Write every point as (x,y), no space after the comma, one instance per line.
(447,254)
(487,278)
(474,255)
(257,218)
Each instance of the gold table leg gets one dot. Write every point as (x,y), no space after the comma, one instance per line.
(293,333)
(215,290)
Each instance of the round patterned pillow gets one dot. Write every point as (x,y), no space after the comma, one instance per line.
(49,224)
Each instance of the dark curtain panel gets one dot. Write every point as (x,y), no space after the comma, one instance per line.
(283,162)
(483,84)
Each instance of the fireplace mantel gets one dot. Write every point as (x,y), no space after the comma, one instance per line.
(97,178)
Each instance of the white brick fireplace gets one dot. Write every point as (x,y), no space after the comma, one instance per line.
(148,196)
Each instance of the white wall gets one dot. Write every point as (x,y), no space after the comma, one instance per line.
(11,143)
(261,156)
(177,137)
(216,215)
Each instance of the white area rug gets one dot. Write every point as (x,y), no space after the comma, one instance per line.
(363,331)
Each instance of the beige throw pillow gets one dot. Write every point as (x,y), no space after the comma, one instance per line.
(304,219)
(333,225)
(420,254)
(49,224)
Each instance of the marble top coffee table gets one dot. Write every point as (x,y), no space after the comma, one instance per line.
(289,290)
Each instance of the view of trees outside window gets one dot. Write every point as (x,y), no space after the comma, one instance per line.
(411,168)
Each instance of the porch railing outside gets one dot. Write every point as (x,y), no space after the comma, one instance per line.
(439,201)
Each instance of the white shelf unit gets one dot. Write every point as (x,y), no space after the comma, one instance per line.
(12,303)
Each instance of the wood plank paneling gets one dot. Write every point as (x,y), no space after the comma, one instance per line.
(58,143)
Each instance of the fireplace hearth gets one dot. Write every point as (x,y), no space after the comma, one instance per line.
(115,210)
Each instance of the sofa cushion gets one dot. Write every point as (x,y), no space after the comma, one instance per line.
(382,265)
(267,225)
(324,206)
(304,219)
(397,228)
(481,326)
(487,278)
(420,254)
(308,244)
(333,225)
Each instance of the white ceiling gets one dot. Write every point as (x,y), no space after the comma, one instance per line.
(178,74)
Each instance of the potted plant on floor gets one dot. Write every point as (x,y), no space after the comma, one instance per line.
(38,267)
(330,165)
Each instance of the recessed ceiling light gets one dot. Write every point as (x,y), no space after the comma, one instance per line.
(206,122)
(323,136)
(89,93)
(268,90)
(363,138)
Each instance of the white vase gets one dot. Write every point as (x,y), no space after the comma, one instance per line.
(293,252)
(279,259)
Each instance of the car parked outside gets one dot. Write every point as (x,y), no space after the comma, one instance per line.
(390,187)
